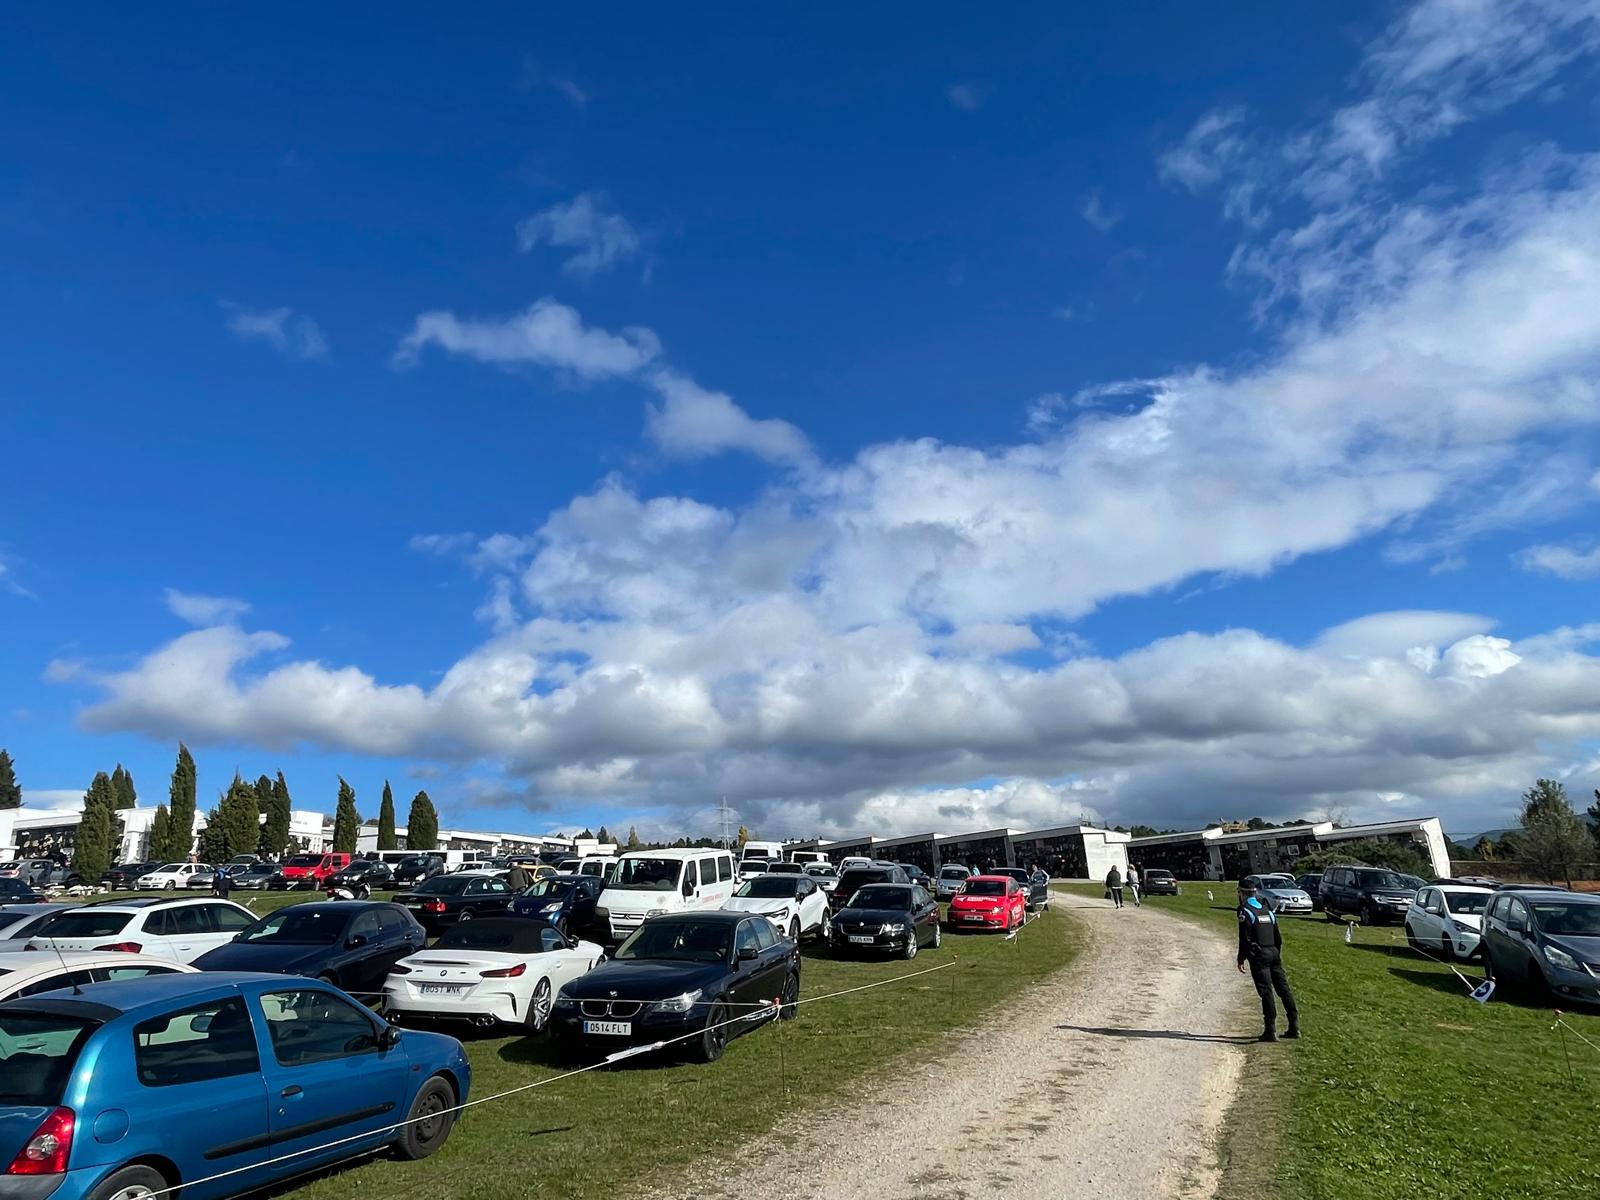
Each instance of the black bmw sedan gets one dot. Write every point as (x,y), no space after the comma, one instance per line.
(691,980)
(897,918)
(351,943)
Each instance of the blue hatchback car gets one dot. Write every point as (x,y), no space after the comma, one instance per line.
(218,1083)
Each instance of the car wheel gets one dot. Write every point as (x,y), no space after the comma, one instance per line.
(714,1040)
(789,1009)
(130,1183)
(825,932)
(1446,948)
(1538,987)
(1411,938)
(794,931)
(1331,916)
(1366,914)
(172,885)
(429,1121)
(936,935)
(910,951)
(466,916)
(539,1008)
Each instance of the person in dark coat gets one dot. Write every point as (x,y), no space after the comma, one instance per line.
(1114,886)
(220,882)
(1261,953)
(518,878)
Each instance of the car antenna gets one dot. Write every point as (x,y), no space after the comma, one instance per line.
(62,958)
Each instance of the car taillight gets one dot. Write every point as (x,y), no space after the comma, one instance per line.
(45,1153)
(505,972)
(397,969)
(433,906)
(122,947)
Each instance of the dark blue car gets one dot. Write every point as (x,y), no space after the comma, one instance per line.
(219,1083)
(566,901)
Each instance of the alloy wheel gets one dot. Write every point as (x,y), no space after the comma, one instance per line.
(539,1007)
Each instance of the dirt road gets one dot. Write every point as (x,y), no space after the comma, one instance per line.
(1113,1082)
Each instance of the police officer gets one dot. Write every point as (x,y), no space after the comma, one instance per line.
(1261,946)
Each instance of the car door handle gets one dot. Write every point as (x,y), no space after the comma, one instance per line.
(293,1089)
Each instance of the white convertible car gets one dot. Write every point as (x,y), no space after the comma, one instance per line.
(504,970)
(796,904)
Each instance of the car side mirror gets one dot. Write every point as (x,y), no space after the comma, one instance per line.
(746,953)
(688,889)
(389,1038)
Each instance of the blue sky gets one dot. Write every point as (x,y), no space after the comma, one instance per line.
(890,420)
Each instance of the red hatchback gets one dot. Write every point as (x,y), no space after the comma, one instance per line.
(989,902)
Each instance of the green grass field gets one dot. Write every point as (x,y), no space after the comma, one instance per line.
(1404,1087)
(606,1130)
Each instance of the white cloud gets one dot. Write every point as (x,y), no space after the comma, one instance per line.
(1564,562)
(442,544)
(969,95)
(601,238)
(691,422)
(204,610)
(8,580)
(546,334)
(1391,634)
(534,76)
(291,334)
(1101,216)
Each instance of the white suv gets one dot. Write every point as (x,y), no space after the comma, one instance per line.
(181,930)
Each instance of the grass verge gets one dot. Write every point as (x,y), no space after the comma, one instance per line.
(1403,1086)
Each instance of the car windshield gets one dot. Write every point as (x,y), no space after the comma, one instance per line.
(84,923)
(38,1051)
(770,887)
(168,868)
(682,941)
(1380,879)
(984,887)
(861,876)
(415,863)
(1573,918)
(646,874)
(551,889)
(444,885)
(1468,903)
(299,860)
(298,925)
(882,896)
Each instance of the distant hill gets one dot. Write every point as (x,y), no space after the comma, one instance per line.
(1494,835)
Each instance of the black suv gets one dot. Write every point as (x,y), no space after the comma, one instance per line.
(858,877)
(1374,894)
(409,872)
(1543,940)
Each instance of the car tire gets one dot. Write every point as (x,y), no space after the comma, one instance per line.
(1446,948)
(172,885)
(825,930)
(539,1006)
(1538,987)
(794,930)
(1367,917)
(130,1183)
(1331,916)
(466,916)
(713,1040)
(912,947)
(788,1007)
(1411,938)
(936,935)
(430,1120)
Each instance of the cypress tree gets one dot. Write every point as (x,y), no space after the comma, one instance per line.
(422,825)
(160,835)
(10,790)
(91,853)
(633,839)
(275,830)
(181,810)
(122,788)
(386,835)
(210,845)
(603,836)
(239,818)
(346,820)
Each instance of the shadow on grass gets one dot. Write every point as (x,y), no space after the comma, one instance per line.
(1174,1035)
(1439,981)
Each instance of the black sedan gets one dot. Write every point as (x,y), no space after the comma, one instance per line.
(446,899)
(567,902)
(123,877)
(859,877)
(897,918)
(409,872)
(363,877)
(352,944)
(14,891)
(692,980)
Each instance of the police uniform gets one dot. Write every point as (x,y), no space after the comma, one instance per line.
(1261,945)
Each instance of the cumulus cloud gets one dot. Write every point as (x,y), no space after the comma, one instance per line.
(546,334)
(442,544)
(599,237)
(1564,562)
(969,95)
(692,422)
(204,610)
(291,334)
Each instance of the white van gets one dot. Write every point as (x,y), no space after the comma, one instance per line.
(806,857)
(771,851)
(597,865)
(652,883)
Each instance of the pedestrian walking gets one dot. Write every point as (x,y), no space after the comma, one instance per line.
(219,883)
(1114,886)
(1133,884)
(518,879)
(1261,951)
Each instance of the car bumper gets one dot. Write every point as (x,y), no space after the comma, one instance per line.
(880,943)
(475,1005)
(566,1030)
(1294,906)
(977,920)
(1162,889)
(1573,985)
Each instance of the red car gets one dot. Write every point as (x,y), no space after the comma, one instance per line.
(989,902)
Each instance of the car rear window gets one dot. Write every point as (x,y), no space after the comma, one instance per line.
(37,1054)
(85,923)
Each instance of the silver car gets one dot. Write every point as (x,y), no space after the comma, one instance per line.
(1281,893)
(951,877)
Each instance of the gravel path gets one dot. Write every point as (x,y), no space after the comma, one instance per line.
(1110,1080)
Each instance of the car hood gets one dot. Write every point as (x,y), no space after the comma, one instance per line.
(644,979)
(1287,893)
(262,956)
(527,904)
(872,916)
(758,904)
(1391,893)
(1584,949)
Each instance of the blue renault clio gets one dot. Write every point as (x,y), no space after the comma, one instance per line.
(218,1083)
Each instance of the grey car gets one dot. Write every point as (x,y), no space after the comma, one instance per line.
(951,877)
(1544,941)
(1280,892)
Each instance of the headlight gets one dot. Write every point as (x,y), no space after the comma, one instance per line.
(1560,958)
(1460,928)
(565,1001)
(896,928)
(677,1004)
(655,912)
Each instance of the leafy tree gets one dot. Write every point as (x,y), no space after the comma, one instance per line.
(1369,853)
(1555,839)
(603,836)
(238,820)
(1593,811)
(210,844)
(387,839)
(92,849)
(744,836)
(633,839)
(10,789)
(1509,846)
(1140,831)
(275,829)
(122,788)
(422,825)
(586,835)
(1258,823)
(1484,849)
(346,820)
(160,834)
(181,808)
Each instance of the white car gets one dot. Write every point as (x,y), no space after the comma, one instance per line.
(823,875)
(495,969)
(180,930)
(794,904)
(27,974)
(19,922)
(173,876)
(855,860)
(1447,919)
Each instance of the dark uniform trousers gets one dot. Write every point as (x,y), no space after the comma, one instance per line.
(1266,969)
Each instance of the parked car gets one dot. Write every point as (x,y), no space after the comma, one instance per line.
(1311,885)
(600,868)
(363,877)
(1279,892)
(751,867)
(351,944)
(1372,893)
(569,902)
(786,868)
(1033,896)
(205,883)
(124,877)
(1544,941)
(36,871)
(243,860)
(858,877)
(853,861)
(181,1068)
(27,974)
(688,976)
(951,877)
(409,872)
(171,876)
(14,891)
(61,875)
(445,900)
(825,875)
(311,871)
(894,918)
(794,904)
(18,921)
(181,929)
(1447,919)
(916,875)
(989,902)
(1158,882)
(253,878)
(499,969)
(649,883)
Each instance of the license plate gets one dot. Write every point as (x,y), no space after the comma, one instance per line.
(861,940)
(972,918)
(613,1028)
(442,989)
